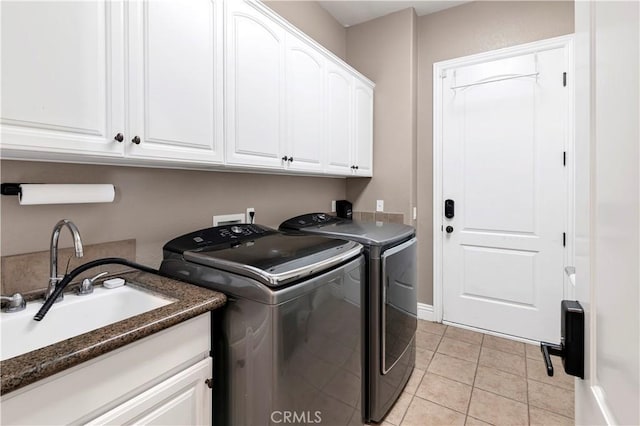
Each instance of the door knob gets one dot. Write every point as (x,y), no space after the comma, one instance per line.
(449,229)
(136,140)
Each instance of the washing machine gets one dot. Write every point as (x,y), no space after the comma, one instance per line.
(390,301)
(288,344)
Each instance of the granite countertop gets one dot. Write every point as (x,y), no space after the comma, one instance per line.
(191,301)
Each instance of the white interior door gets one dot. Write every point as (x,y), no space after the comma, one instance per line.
(607,209)
(504,133)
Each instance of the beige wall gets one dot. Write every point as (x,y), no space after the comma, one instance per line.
(464,30)
(384,50)
(153,205)
(314,21)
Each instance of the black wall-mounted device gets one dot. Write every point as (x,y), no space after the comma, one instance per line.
(449,209)
(571,347)
(344,209)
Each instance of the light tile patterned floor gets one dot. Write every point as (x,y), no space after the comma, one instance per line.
(462,377)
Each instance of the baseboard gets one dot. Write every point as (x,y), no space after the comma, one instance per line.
(425,312)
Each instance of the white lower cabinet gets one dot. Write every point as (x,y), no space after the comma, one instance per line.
(161,379)
(183,399)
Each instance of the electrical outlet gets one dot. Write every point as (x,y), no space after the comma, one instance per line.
(333,206)
(379,205)
(248,215)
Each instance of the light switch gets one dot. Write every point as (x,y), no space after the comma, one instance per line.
(379,205)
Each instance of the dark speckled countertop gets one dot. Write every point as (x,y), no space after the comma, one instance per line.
(191,301)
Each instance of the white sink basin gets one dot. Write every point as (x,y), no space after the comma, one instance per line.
(75,315)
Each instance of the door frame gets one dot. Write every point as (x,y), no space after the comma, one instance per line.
(439,73)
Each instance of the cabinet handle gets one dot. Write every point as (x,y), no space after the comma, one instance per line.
(119,137)
(136,140)
(353,167)
(357,167)
(291,159)
(209,383)
(285,158)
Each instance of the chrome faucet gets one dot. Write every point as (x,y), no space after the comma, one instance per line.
(77,244)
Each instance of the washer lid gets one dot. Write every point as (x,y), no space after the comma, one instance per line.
(277,259)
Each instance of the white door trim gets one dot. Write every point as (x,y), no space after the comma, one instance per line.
(439,72)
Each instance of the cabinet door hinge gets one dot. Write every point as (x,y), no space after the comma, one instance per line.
(564,79)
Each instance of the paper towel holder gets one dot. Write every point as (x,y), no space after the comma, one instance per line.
(10,188)
(39,193)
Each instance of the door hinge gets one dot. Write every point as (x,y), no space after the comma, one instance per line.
(564,79)
(564,239)
(564,158)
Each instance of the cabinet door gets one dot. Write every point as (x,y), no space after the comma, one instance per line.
(339,84)
(62,78)
(363,129)
(183,399)
(254,97)
(176,82)
(304,85)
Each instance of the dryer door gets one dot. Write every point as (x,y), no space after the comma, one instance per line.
(399,301)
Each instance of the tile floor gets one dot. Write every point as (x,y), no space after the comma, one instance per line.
(468,378)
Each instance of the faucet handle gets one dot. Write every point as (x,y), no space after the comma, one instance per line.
(15,303)
(87,284)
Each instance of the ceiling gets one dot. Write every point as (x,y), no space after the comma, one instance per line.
(355,12)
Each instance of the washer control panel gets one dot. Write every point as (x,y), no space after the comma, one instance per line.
(222,236)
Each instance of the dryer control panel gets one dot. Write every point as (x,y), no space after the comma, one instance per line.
(310,219)
(218,236)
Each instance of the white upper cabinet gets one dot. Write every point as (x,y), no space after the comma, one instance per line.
(175,74)
(254,104)
(289,104)
(173,83)
(349,124)
(339,133)
(62,78)
(305,106)
(363,129)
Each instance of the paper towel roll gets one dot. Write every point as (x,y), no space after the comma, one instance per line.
(31,194)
